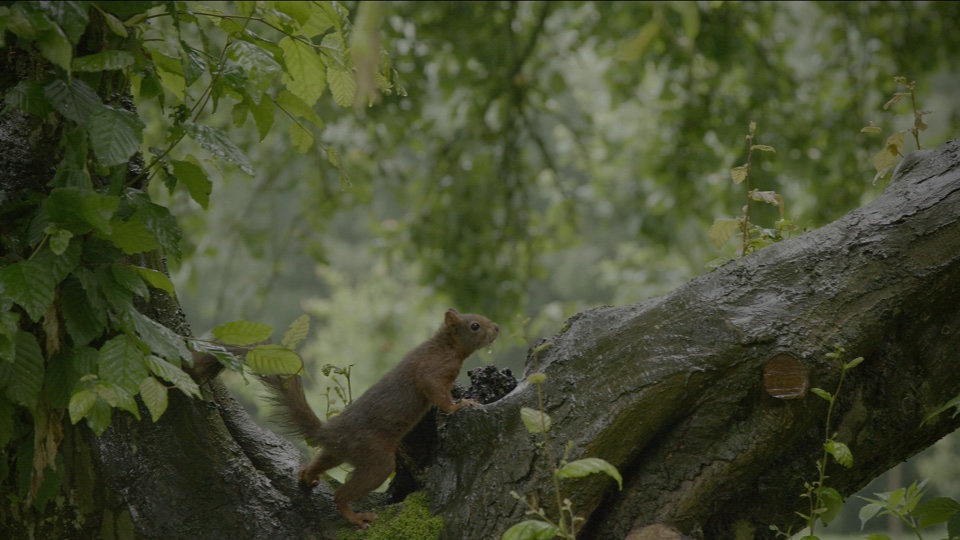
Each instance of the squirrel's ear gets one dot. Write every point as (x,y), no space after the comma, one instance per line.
(451,317)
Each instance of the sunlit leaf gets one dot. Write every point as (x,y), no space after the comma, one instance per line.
(306,72)
(739,174)
(297,332)
(242,332)
(273,360)
(588,466)
(343,86)
(534,420)
(722,229)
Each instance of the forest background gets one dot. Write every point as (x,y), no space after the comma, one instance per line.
(544,158)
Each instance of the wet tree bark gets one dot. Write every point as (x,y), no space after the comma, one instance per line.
(668,390)
(671,390)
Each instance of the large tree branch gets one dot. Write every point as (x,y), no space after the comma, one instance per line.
(671,390)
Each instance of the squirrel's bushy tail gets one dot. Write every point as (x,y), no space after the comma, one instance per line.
(291,409)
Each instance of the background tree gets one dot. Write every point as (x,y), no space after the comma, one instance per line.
(588,139)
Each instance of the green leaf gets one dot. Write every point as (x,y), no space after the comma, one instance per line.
(763,148)
(722,229)
(157,280)
(30,285)
(273,360)
(118,397)
(258,65)
(301,138)
(534,420)
(154,396)
(160,339)
(949,405)
(174,375)
(297,107)
(588,466)
(70,16)
(78,210)
(84,323)
(297,332)
(129,279)
(633,49)
(59,240)
(822,393)
(193,64)
(222,355)
(242,332)
(936,510)
(216,142)
(953,526)
(853,363)
(98,416)
(74,99)
(55,47)
(130,235)
(868,512)
(60,378)
(840,452)
(831,502)
(343,86)
(115,25)
(739,174)
(531,530)
(28,96)
(306,72)
(80,404)
(194,178)
(26,372)
(7,411)
(115,135)
(103,61)
(122,364)
(158,221)
(262,115)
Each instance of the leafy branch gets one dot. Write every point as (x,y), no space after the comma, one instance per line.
(885,160)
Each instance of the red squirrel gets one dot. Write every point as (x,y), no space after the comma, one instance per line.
(366,434)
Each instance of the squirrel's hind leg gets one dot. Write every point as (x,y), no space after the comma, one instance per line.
(324,460)
(368,474)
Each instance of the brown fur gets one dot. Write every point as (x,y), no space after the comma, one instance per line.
(367,432)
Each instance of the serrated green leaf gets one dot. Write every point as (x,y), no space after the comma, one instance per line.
(117,397)
(821,393)
(306,73)
(953,526)
(74,99)
(588,466)
(158,221)
(831,503)
(840,452)
(739,174)
(55,47)
(60,378)
(263,115)
(301,138)
(868,512)
(217,143)
(722,230)
(295,106)
(26,372)
(935,511)
(30,285)
(534,420)
(154,396)
(242,332)
(531,530)
(193,63)
(103,61)
(84,323)
(222,355)
(343,86)
(258,65)
(80,404)
(297,332)
(98,417)
(129,279)
(273,360)
(769,197)
(160,339)
(28,96)
(59,265)
(78,210)
(130,235)
(157,280)
(174,375)
(194,178)
(70,16)
(122,364)
(115,135)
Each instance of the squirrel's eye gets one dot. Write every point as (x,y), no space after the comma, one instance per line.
(475,326)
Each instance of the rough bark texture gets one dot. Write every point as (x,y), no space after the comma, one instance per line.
(670,390)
